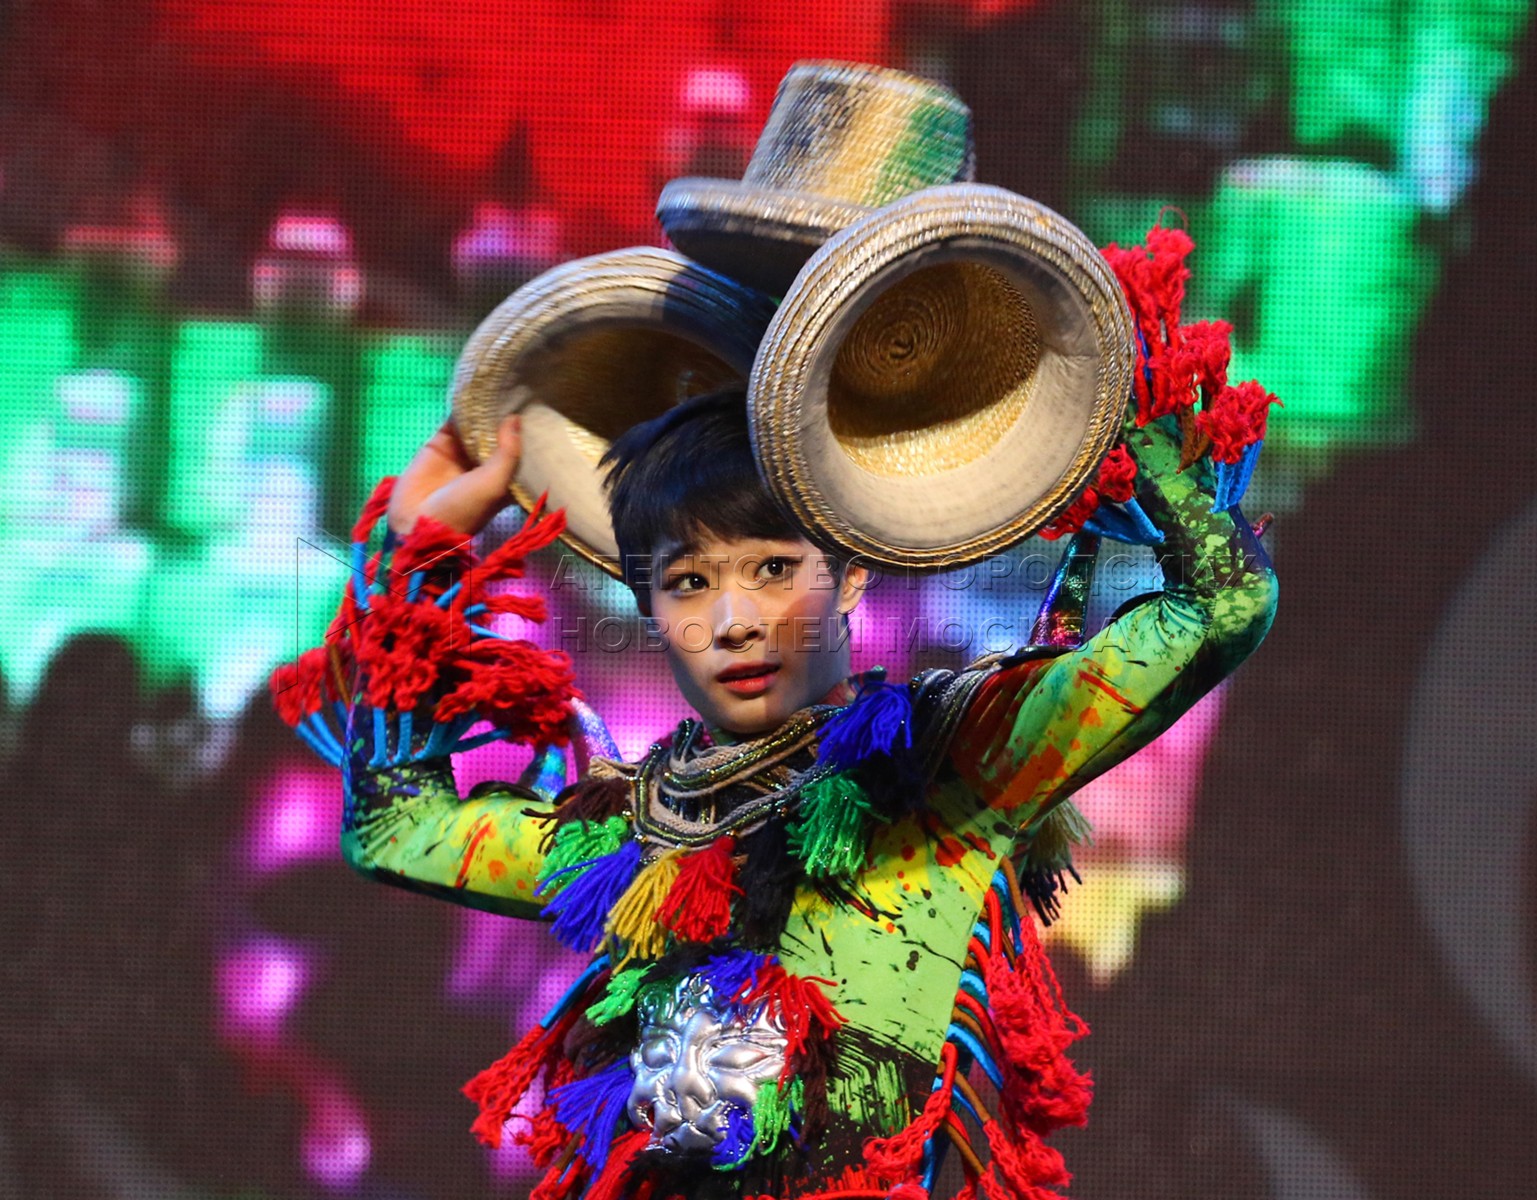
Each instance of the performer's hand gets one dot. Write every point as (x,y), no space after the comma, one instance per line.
(444,483)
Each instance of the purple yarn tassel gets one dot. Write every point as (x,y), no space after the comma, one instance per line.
(879,716)
(594,1107)
(582,907)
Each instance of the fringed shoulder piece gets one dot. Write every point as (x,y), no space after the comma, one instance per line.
(412,649)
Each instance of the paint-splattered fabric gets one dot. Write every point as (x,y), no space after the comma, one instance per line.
(1027,733)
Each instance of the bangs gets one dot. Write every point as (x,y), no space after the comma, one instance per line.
(684,478)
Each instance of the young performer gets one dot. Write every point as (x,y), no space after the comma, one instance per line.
(809,909)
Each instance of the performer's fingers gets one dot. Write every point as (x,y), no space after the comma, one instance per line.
(503,463)
(468,502)
(443,461)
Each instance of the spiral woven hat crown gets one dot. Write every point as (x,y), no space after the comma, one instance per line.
(942,378)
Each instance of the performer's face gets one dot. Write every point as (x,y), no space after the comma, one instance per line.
(754,628)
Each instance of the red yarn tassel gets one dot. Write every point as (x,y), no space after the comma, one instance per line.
(897,1159)
(1023,1168)
(1043,1091)
(545,1138)
(797,1002)
(1117,476)
(559,1183)
(538,531)
(853,1183)
(1115,481)
(373,508)
(698,906)
(609,1185)
(1236,420)
(500,1087)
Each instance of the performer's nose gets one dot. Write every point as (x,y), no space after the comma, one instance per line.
(738,619)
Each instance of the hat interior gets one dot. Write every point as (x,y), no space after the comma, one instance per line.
(951,395)
(579,391)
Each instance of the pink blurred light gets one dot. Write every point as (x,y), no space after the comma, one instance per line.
(478,963)
(336,1149)
(294,819)
(323,236)
(718,90)
(258,985)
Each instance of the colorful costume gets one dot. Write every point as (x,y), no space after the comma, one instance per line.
(805,942)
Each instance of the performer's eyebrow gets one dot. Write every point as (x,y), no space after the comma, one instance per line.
(669,553)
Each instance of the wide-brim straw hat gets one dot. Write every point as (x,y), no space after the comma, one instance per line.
(589,349)
(942,379)
(841,140)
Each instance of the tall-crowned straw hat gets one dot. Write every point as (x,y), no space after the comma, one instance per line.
(585,351)
(841,140)
(942,379)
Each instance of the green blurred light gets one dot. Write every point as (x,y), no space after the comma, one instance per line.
(209,362)
(1318,266)
(404,399)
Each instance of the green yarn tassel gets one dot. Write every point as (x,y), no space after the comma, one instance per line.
(619,999)
(771,1113)
(578,842)
(831,834)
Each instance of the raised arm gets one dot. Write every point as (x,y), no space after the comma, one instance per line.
(1038,730)
(407,826)
(410,665)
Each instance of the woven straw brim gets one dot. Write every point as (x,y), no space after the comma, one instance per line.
(942,379)
(589,349)
(756,235)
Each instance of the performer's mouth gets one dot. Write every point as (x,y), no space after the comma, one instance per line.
(748,679)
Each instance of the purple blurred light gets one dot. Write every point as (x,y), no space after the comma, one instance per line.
(258,985)
(336,1148)
(294,820)
(500,234)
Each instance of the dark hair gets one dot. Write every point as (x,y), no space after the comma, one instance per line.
(684,476)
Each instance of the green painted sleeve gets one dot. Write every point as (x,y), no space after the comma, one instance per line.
(407,826)
(1037,732)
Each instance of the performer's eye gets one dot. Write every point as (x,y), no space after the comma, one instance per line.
(684,583)
(778,566)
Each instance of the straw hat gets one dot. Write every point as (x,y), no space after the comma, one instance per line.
(585,351)
(841,140)
(942,379)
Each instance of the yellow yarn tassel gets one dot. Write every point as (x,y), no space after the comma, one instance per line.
(633,921)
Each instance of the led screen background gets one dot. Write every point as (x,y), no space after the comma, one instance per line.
(240,247)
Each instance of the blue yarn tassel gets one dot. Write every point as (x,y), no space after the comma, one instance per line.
(1125,522)
(360,575)
(880,715)
(594,1107)
(734,1147)
(582,907)
(1233,478)
(728,973)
